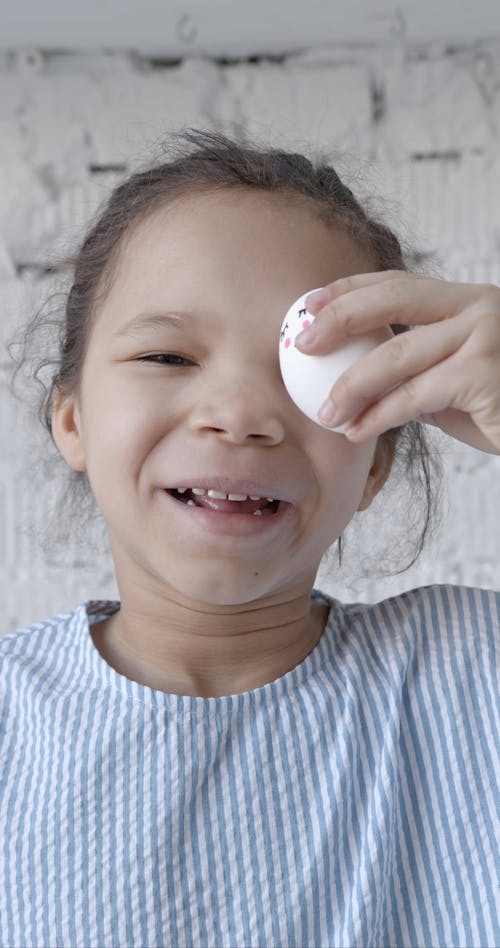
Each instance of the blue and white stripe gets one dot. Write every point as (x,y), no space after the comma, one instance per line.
(352,802)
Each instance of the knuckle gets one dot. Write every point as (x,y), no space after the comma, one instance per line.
(395,273)
(344,386)
(491,322)
(400,345)
(487,330)
(342,317)
(410,390)
(491,291)
(343,285)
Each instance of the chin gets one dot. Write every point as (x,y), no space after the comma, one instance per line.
(222,591)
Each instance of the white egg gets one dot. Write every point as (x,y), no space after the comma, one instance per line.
(309,379)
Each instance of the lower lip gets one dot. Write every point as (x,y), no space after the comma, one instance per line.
(232,524)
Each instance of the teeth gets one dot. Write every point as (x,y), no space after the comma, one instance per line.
(219,495)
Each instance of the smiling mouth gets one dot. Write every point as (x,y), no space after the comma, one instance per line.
(262,507)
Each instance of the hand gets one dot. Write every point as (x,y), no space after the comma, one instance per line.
(445,371)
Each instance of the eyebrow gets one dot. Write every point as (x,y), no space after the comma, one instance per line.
(152,321)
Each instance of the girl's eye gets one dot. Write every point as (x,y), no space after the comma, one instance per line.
(159,357)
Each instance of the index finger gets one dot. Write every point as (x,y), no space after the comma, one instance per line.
(318,299)
(371,301)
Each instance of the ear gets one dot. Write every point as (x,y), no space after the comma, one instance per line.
(67,430)
(379,471)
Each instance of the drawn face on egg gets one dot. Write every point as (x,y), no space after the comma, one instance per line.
(296,320)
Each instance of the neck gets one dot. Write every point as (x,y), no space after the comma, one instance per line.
(209,650)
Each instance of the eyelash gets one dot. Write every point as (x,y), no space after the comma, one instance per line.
(163,355)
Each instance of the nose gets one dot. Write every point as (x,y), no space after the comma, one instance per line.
(240,413)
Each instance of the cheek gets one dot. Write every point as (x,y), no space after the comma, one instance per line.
(122,427)
(344,475)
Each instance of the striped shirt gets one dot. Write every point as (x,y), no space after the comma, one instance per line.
(354,801)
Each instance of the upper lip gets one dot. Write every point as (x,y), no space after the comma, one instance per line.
(230,486)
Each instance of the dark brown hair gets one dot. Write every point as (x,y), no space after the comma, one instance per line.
(198,161)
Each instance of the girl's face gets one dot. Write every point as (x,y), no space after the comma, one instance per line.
(228,264)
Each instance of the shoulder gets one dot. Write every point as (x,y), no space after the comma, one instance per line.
(441,623)
(442,610)
(21,639)
(25,654)
(40,659)
(30,663)
(45,630)
(452,642)
(436,649)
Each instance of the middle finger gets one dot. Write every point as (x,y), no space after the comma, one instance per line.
(394,362)
(402,301)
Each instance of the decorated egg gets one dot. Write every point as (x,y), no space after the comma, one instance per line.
(309,379)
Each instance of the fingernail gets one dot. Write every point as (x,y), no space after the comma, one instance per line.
(328,413)
(306,337)
(317,298)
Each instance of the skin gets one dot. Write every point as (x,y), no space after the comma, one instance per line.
(202,614)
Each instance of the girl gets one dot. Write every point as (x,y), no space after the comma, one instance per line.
(227,756)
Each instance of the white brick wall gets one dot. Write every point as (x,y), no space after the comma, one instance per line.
(420,128)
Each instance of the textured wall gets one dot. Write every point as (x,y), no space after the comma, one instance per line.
(420,128)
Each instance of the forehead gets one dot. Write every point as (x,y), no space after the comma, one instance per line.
(211,249)
(247,223)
